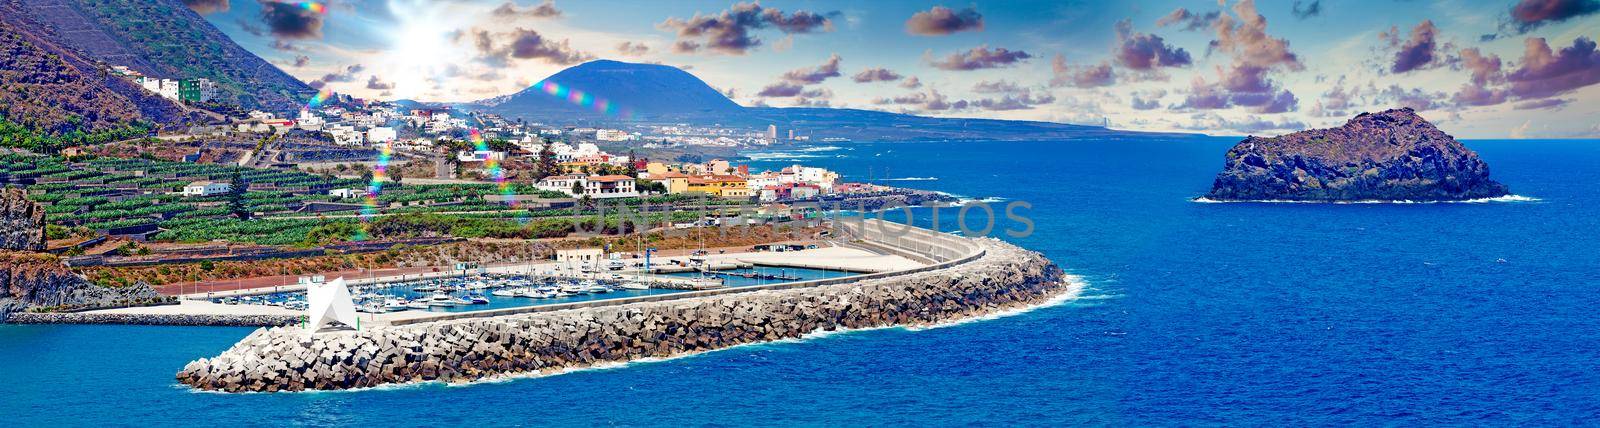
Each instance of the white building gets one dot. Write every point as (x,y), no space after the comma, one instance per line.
(309,121)
(347,193)
(206,188)
(597,187)
(612,135)
(381,134)
(169,89)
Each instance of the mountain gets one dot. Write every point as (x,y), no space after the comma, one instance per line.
(161,38)
(642,91)
(660,93)
(52,95)
(1394,155)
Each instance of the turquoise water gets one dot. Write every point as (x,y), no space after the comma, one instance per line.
(1195,314)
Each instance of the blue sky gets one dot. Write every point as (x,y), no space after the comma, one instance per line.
(1481,69)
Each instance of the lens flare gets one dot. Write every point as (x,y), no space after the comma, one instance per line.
(314,7)
(492,168)
(583,99)
(380,174)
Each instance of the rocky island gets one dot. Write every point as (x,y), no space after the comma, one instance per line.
(1394,155)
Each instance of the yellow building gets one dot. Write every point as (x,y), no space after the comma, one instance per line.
(724,186)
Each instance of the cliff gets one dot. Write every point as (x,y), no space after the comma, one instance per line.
(21,221)
(29,280)
(1394,155)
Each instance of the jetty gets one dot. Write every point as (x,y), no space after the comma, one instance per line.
(968,277)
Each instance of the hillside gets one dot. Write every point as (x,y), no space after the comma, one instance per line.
(163,38)
(644,91)
(51,96)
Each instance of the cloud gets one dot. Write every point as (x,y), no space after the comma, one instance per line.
(1485,69)
(685,46)
(931,100)
(1089,76)
(1544,73)
(284,45)
(1310,10)
(377,84)
(814,75)
(301,61)
(632,49)
(997,87)
(1208,121)
(1256,54)
(1145,52)
(1190,21)
(1337,101)
(205,7)
(941,21)
(1023,100)
(290,21)
(1142,104)
(1530,14)
(730,32)
(876,75)
(1418,52)
(348,74)
(1394,96)
(509,10)
(981,57)
(525,44)
(911,83)
(1547,103)
(781,90)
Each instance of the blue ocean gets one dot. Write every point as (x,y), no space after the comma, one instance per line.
(1193,314)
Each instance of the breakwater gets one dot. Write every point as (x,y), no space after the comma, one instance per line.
(994,277)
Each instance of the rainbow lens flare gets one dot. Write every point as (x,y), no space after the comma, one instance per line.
(583,99)
(314,7)
(380,174)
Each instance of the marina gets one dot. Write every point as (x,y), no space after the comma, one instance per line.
(500,291)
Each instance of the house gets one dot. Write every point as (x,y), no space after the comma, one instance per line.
(610,186)
(724,186)
(206,188)
(596,186)
(347,193)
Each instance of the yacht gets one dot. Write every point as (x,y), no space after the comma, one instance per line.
(417,304)
(477,299)
(394,304)
(425,288)
(635,285)
(591,286)
(441,299)
(506,292)
(573,288)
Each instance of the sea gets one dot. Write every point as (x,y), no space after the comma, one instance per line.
(1191,314)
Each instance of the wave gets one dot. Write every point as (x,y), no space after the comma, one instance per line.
(909,179)
(1075,286)
(822,149)
(1506,198)
(779,156)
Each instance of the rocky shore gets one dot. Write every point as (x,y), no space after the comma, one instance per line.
(286,359)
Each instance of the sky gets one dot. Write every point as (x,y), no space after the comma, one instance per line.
(1478,69)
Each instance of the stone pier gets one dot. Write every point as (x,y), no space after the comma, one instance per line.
(975,277)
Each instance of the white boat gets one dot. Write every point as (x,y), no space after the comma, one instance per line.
(477,299)
(371,307)
(571,288)
(505,292)
(425,288)
(417,304)
(635,285)
(393,304)
(441,299)
(531,293)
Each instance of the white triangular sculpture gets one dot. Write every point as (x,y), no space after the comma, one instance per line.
(329,301)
